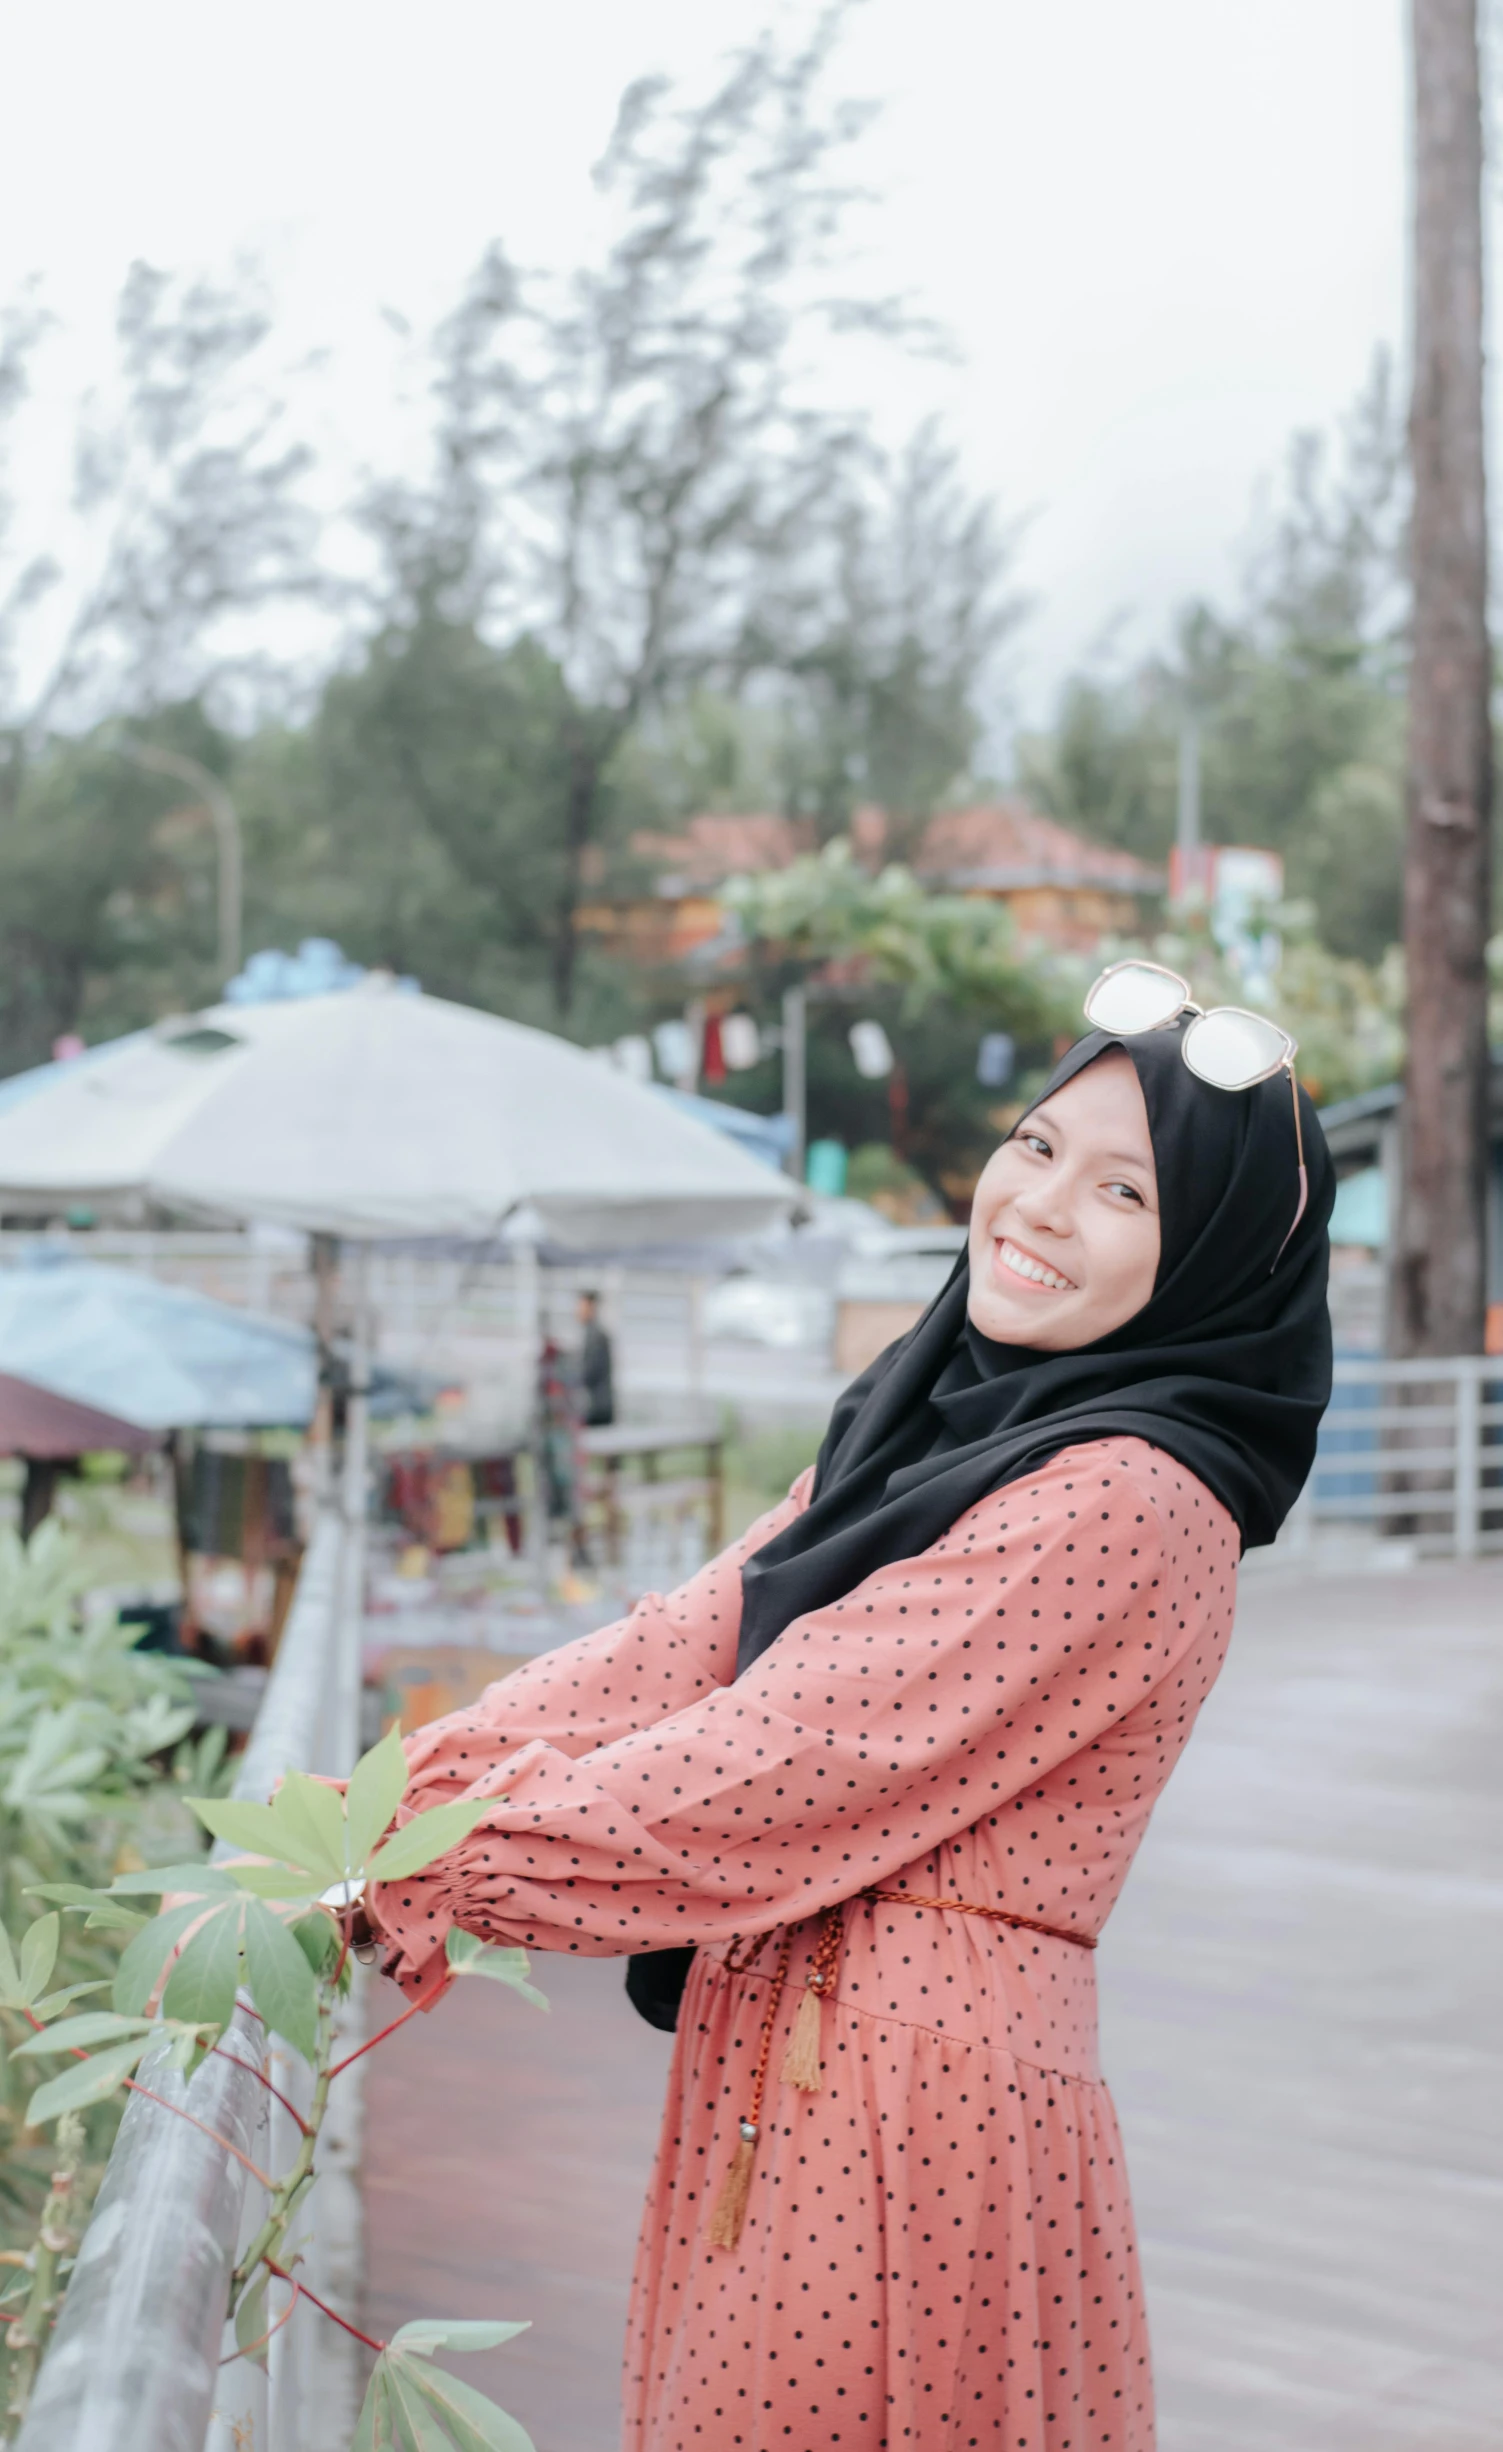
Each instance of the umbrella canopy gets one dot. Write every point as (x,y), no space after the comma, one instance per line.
(152,1354)
(37,1422)
(376,1113)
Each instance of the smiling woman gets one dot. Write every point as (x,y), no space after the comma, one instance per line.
(861,1796)
(1064,1239)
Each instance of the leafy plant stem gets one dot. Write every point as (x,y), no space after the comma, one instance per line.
(28,2338)
(284,2193)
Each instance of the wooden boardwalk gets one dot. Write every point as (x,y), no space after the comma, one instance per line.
(1300,2003)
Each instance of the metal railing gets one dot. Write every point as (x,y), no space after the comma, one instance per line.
(135,2363)
(1409,1451)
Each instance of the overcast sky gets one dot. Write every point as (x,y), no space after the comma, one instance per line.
(1164,234)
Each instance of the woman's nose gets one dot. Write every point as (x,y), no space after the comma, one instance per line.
(1043,1207)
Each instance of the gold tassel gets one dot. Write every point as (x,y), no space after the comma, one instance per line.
(802,2060)
(729,2218)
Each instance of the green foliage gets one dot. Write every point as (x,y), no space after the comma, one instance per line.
(86,1721)
(1298,697)
(826,908)
(417,2406)
(280,1930)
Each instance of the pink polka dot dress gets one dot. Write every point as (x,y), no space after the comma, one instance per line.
(938,2246)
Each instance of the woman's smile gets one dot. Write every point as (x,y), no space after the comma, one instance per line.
(1017,1262)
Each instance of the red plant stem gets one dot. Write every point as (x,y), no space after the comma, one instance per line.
(332,2313)
(410,2011)
(218,2053)
(134,2086)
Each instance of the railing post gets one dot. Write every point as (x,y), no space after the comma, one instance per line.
(1467,1515)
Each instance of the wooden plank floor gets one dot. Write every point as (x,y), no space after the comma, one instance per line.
(1300,2008)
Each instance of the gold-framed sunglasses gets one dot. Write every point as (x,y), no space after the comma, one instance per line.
(1229,1047)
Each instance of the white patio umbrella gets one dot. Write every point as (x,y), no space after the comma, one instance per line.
(376,1113)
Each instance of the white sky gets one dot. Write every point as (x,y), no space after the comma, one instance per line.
(1164,233)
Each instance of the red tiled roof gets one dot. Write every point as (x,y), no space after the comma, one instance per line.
(720,845)
(1009,844)
(1003,845)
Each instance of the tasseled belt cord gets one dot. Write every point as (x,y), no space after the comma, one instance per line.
(802,2061)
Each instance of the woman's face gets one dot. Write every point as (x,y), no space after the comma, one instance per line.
(1065,1223)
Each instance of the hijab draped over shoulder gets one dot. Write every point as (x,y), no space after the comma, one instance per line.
(1227,1367)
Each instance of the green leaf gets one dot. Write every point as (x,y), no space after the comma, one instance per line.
(77,2034)
(51,2002)
(108,1918)
(474,2423)
(277,1881)
(253,1827)
(199,1880)
(10,1973)
(377,2431)
(428,2334)
(280,1979)
(67,1894)
(469,1955)
(84,2082)
(377,1786)
(142,1961)
(317,1936)
(189,2046)
(39,1954)
(419,2428)
(425,1838)
(201,1987)
(311,1816)
(252,2322)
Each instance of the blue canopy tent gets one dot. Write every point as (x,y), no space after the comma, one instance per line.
(160,1355)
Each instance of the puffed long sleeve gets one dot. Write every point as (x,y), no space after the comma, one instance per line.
(935,1693)
(667,1653)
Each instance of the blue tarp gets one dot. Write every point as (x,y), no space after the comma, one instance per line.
(152,1353)
(164,1357)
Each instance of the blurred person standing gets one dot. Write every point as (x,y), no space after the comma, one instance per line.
(596,1366)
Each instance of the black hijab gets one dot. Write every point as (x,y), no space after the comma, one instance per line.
(1227,1367)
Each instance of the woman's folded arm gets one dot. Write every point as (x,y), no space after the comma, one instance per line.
(667,1653)
(869,1732)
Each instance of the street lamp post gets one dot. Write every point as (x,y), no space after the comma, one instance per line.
(159,761)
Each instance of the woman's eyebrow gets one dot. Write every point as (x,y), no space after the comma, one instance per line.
(1127,1157)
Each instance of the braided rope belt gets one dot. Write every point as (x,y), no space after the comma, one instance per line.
(802,2062)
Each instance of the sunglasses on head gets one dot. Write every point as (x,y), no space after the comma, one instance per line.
(1228,1047)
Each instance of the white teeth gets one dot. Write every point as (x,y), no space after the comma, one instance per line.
(1023,1266)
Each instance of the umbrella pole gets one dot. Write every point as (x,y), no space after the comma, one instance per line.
(353,1499)
(530,1319)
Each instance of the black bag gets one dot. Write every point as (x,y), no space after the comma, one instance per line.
(655,1985)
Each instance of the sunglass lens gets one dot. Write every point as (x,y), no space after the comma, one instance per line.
(1232,1050)
(1136,996)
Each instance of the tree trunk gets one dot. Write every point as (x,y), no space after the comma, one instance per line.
(580,808)
(1438,1289)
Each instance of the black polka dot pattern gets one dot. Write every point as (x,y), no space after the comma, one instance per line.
(939,2246)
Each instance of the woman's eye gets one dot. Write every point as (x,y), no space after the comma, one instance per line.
(1127,1191)
(1036,1142)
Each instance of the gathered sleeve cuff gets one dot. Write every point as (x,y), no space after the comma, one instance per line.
(868,1733)
(666,1654)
